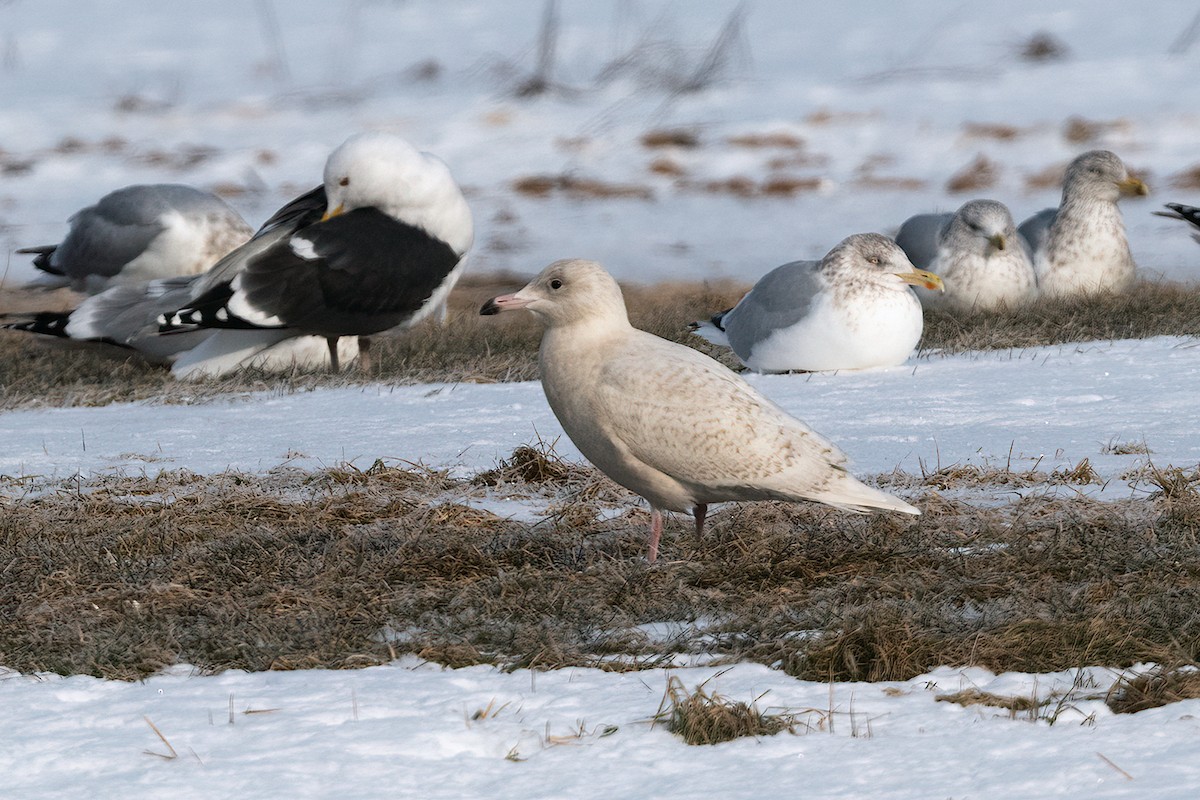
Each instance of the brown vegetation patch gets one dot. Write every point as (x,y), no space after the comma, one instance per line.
(1187,179)
(40,371)
(787,186)
(667,166)
(975,697)
(1150,309)
(121,576)
(1157,687)
(577,188)
(671,137)
(700,717)
(1078,130)
(1049,178)
(889,183)
(982,173)
(780,139)
(746,187)
(991,130)
(798,159)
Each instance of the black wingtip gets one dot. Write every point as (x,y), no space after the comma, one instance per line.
(489,308)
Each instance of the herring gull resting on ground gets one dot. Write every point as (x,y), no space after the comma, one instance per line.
(378,246)
(140,233)
(850,310)
(976,252)
(1080,248)
(666,421)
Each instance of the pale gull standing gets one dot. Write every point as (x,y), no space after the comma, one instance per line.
(140,233)
(666,421)
(853,309)
(1189,214)
(378,246)
(976,252)
(1080,248)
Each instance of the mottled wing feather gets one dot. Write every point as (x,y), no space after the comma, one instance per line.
(691,418)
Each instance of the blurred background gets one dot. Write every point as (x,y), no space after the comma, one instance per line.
(668,140)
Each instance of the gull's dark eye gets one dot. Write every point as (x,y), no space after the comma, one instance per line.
(344,182)
(556,284)
(873,260)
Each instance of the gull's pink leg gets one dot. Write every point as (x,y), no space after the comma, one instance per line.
(656,523)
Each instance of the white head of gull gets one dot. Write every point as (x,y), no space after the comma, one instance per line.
(666,421)
(976,252)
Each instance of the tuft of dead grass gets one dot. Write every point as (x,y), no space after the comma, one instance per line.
(982,173)
(1078,130)
(1154,688)
(671,137)
(991,130)
(579,188)
(976,697)
(700,717)
(776,139)
(1186,179)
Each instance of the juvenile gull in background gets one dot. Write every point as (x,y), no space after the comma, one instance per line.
(666,421)
(1080,248)
(850,310)
(976,252)
(1190,214)
(379,245)
(140,233)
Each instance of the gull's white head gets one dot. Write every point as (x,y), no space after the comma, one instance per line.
(981,226)
(878,258)
(381,170)
(567,292)
(1100,173)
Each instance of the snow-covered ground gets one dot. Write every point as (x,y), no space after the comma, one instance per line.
(1046,408)
(881,98)
(252,96)
(416,731)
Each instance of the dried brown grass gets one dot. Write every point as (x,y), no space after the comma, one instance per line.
(1157,687)
(347,567)
(702,717)
(982,173)
(1149,309)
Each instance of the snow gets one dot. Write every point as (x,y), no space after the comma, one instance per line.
(252,96)
(415,730)
(1046,408)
